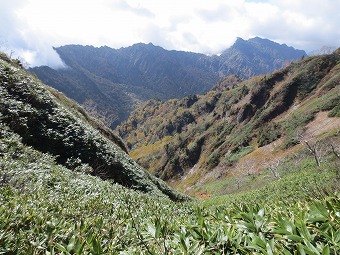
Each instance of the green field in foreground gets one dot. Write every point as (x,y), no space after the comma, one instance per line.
(48,209)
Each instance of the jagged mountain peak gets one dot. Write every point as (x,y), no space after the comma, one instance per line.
(112,82)
(266,46)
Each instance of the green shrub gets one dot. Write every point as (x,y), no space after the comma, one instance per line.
(238,153)
(269,133)
(335,112)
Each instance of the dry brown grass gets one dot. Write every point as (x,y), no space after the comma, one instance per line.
(321,124)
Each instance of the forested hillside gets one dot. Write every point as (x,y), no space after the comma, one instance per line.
(239,128)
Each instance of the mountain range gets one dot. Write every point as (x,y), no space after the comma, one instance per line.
(110,83)
(263,153)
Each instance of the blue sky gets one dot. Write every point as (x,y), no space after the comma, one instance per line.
(30,28)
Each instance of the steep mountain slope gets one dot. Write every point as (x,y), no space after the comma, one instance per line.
(44,119)
(219,134)
(144,65)
(111,82)
(47,209)
(51,208)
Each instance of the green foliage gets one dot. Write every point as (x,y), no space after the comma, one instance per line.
(269,133)
(297,180)
(314,70)
(214,158)
(335,112)
(294,127)
(238,153)
(48,209)
(4,57)
(29,109)
(252,113)
(334,80)
(45,207)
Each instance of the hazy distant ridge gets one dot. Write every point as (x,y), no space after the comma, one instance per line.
(111,82)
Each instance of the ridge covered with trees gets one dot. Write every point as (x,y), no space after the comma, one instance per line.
(239,127)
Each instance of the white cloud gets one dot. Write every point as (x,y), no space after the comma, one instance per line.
(32,27)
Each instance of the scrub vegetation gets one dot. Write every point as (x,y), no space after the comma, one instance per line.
(67,185)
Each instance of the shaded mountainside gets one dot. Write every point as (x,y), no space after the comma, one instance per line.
(186,140)
(112,82)
(50,123)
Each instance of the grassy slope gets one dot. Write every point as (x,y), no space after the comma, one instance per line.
(45,206)
(47,209)
(51,123)
(222,133)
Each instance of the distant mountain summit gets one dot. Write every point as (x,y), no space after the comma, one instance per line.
(110,83)
(257,56)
